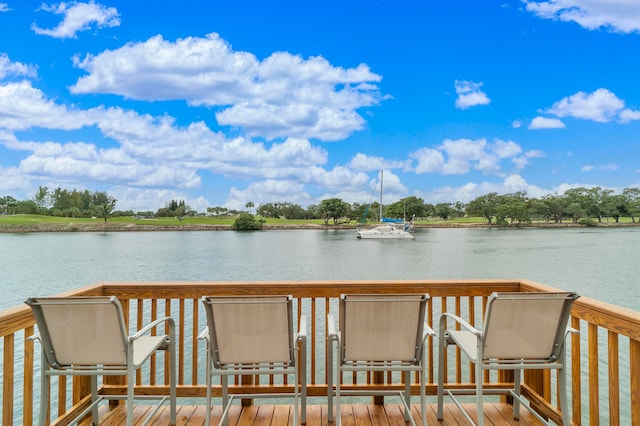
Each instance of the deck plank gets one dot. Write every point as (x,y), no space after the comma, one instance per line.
(352,415)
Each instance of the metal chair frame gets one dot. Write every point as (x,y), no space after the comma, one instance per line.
(415,362)
(476,344)
(131,352)
(258,366)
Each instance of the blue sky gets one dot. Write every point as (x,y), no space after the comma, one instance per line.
(224,103)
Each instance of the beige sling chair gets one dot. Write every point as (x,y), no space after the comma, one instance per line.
(254,335)
(521,331)
(87,336)
(379,333)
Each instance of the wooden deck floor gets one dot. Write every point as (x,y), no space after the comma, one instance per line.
(352,415)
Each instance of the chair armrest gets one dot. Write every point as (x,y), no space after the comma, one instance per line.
(302,332)
(460,321)
(428,330)
(204,334)
(151,325)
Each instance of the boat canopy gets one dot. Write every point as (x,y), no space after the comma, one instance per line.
(390,220)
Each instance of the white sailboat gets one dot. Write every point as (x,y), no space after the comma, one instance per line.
(389,228)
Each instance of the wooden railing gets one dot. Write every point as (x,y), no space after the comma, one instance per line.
(605,380)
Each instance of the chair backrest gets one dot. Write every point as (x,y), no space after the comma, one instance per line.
(526,325)
(250,330)
(81,330)
(378,327)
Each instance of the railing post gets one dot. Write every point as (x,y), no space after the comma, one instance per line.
(634,358)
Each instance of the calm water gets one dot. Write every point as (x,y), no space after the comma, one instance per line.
(600,263)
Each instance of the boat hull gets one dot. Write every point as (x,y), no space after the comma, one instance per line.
(389,232)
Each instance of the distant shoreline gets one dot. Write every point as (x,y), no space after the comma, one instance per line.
(132,227)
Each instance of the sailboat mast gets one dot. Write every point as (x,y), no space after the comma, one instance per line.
(381,175)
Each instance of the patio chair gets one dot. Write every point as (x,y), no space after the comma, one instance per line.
(384,333)
(87,336)
(521,331)
(254,335)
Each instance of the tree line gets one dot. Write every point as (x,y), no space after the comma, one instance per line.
(62,202)
(578,205)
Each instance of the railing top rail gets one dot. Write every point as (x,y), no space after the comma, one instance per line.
(614,318)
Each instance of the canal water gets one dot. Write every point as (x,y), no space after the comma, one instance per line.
(596,262)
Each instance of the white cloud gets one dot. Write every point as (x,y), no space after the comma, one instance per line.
(77,17)
(516,124)
(283,95)
(268,191)
(4,7)
(546,123)
(12,180)
(601,106)
(141,199)
(148,151)
(365,163)
(628,115)
(462,155)
(469,94)
(618,15)
(605,167)
(9,68)
(22,107)
(467,192)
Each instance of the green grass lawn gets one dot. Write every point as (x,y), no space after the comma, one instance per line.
(35,220)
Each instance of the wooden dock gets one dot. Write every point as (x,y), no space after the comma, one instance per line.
(352,415)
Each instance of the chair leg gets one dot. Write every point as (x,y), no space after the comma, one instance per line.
(517,378)
(442,345)
(330,380)
(338,417)
(562,383)
(479,395)
(296,396)
(225,398)
(407,395)
(208,378)
(172,379)
(44,394)
(303,380)
(94,396)
(423,390)
(130,391)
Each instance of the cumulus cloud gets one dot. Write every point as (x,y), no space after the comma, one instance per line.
(22,107)
(4,7)
(601,106)
(147,151)
(468,191)
(617,15)
(9,68)
(469,94)
(78,16)
(546,123)
(367,163)
(455,157)
(282,95)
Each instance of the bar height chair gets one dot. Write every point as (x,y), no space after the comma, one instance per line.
(379,332)
(87,336)
(521,331)
(254,335)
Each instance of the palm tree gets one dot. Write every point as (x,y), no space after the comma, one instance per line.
(250,205)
